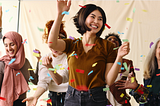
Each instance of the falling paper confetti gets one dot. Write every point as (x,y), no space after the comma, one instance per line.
(90,72)
(31,69)
(122,68)
(120,33)
(90,44)
(17,73)
(129,19)
(51,69)
(106,89)
(40,29)
(132,79)
(25,41)
(134,10)
(125,66)
(65,12)
(107,26)
(119,63)
(10,19)
(115,48)
(82,6)
(72,80)
(93,65)
(126,3)
(34,88)
(35,51)
(122,95)
(70,37)
(31,78)
(36,54)
(125,40)
(137,69)
(12,60)
(7,10)
(144,10)
(149,85)
(151,44)
(80,71)
(2,98)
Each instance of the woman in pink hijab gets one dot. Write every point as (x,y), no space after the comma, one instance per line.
(14,73)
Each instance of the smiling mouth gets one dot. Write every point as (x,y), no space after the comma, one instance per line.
(93,26)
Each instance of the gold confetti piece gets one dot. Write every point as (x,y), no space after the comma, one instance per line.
(94,64)
(36,54)
(15,6)
(122,95)
(34,88)
(31,69)
(55,71)
(126,3)
(144,10)
(71,54)
(59,64)
(139,22)
(129,19)
(62,68)
(149,85)
(132,79)
(46,30)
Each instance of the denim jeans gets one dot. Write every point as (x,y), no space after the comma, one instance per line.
(56,98)
(93,97)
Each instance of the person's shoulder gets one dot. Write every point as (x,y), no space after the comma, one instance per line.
(2,64)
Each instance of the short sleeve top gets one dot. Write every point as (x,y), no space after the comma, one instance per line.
(88,69)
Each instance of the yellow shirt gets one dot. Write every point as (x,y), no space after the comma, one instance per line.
(88,69)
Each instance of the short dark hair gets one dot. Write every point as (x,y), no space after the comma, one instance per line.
(116,35)
(80,18)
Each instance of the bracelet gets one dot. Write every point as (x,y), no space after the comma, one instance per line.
(137,88)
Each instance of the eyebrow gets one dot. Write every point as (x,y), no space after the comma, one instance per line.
(9,43)
(98,16)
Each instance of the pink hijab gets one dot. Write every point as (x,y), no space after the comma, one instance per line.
(13,85)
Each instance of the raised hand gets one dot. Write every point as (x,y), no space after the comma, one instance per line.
(46,61)
(130,83)
(63,5)
(32,101)
(124,49)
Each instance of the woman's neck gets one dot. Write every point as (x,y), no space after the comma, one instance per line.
(88,38)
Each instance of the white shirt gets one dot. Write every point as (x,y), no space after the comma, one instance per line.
(45,80)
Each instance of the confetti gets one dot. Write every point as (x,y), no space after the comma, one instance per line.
(65,12)
(40,62)
(31,78)
(90,72)
(55,71)
(137,69)
(62,68)
(90,44)
(122,68)
(50,42)
(10,19)
(119,63)
(82,6)
(120,33)
(17,73)
(149,85)
(30,83)
(125,66)
(117,1)
(122,95)
(35,51)
(72,80)
(31,69)
(28,91)
(144,10)
(49,101)
(141,92)
(7,10)
(70,37)
(57,67)
(141,56)
(2,98)
(40,29)
(80,71)
(51,69)
(81,88)
(106,89)
(125,40)
(132,79)
(12,60)
(107,26)
(157,74)
(93,65)
(25,41)
(115,48)
(126,101)
(151,44)
(129,19)
(29,10)
(15,6)
(34,88)
(36,54)
(134,10)
(126,3)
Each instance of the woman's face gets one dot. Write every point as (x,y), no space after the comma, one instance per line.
(114,40)
(10,47)
(158,51)
(94,21)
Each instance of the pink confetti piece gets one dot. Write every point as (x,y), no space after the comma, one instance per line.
(151,44)
(107,26)
(82,6)
(24,41)
(29,10)
(80,71)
